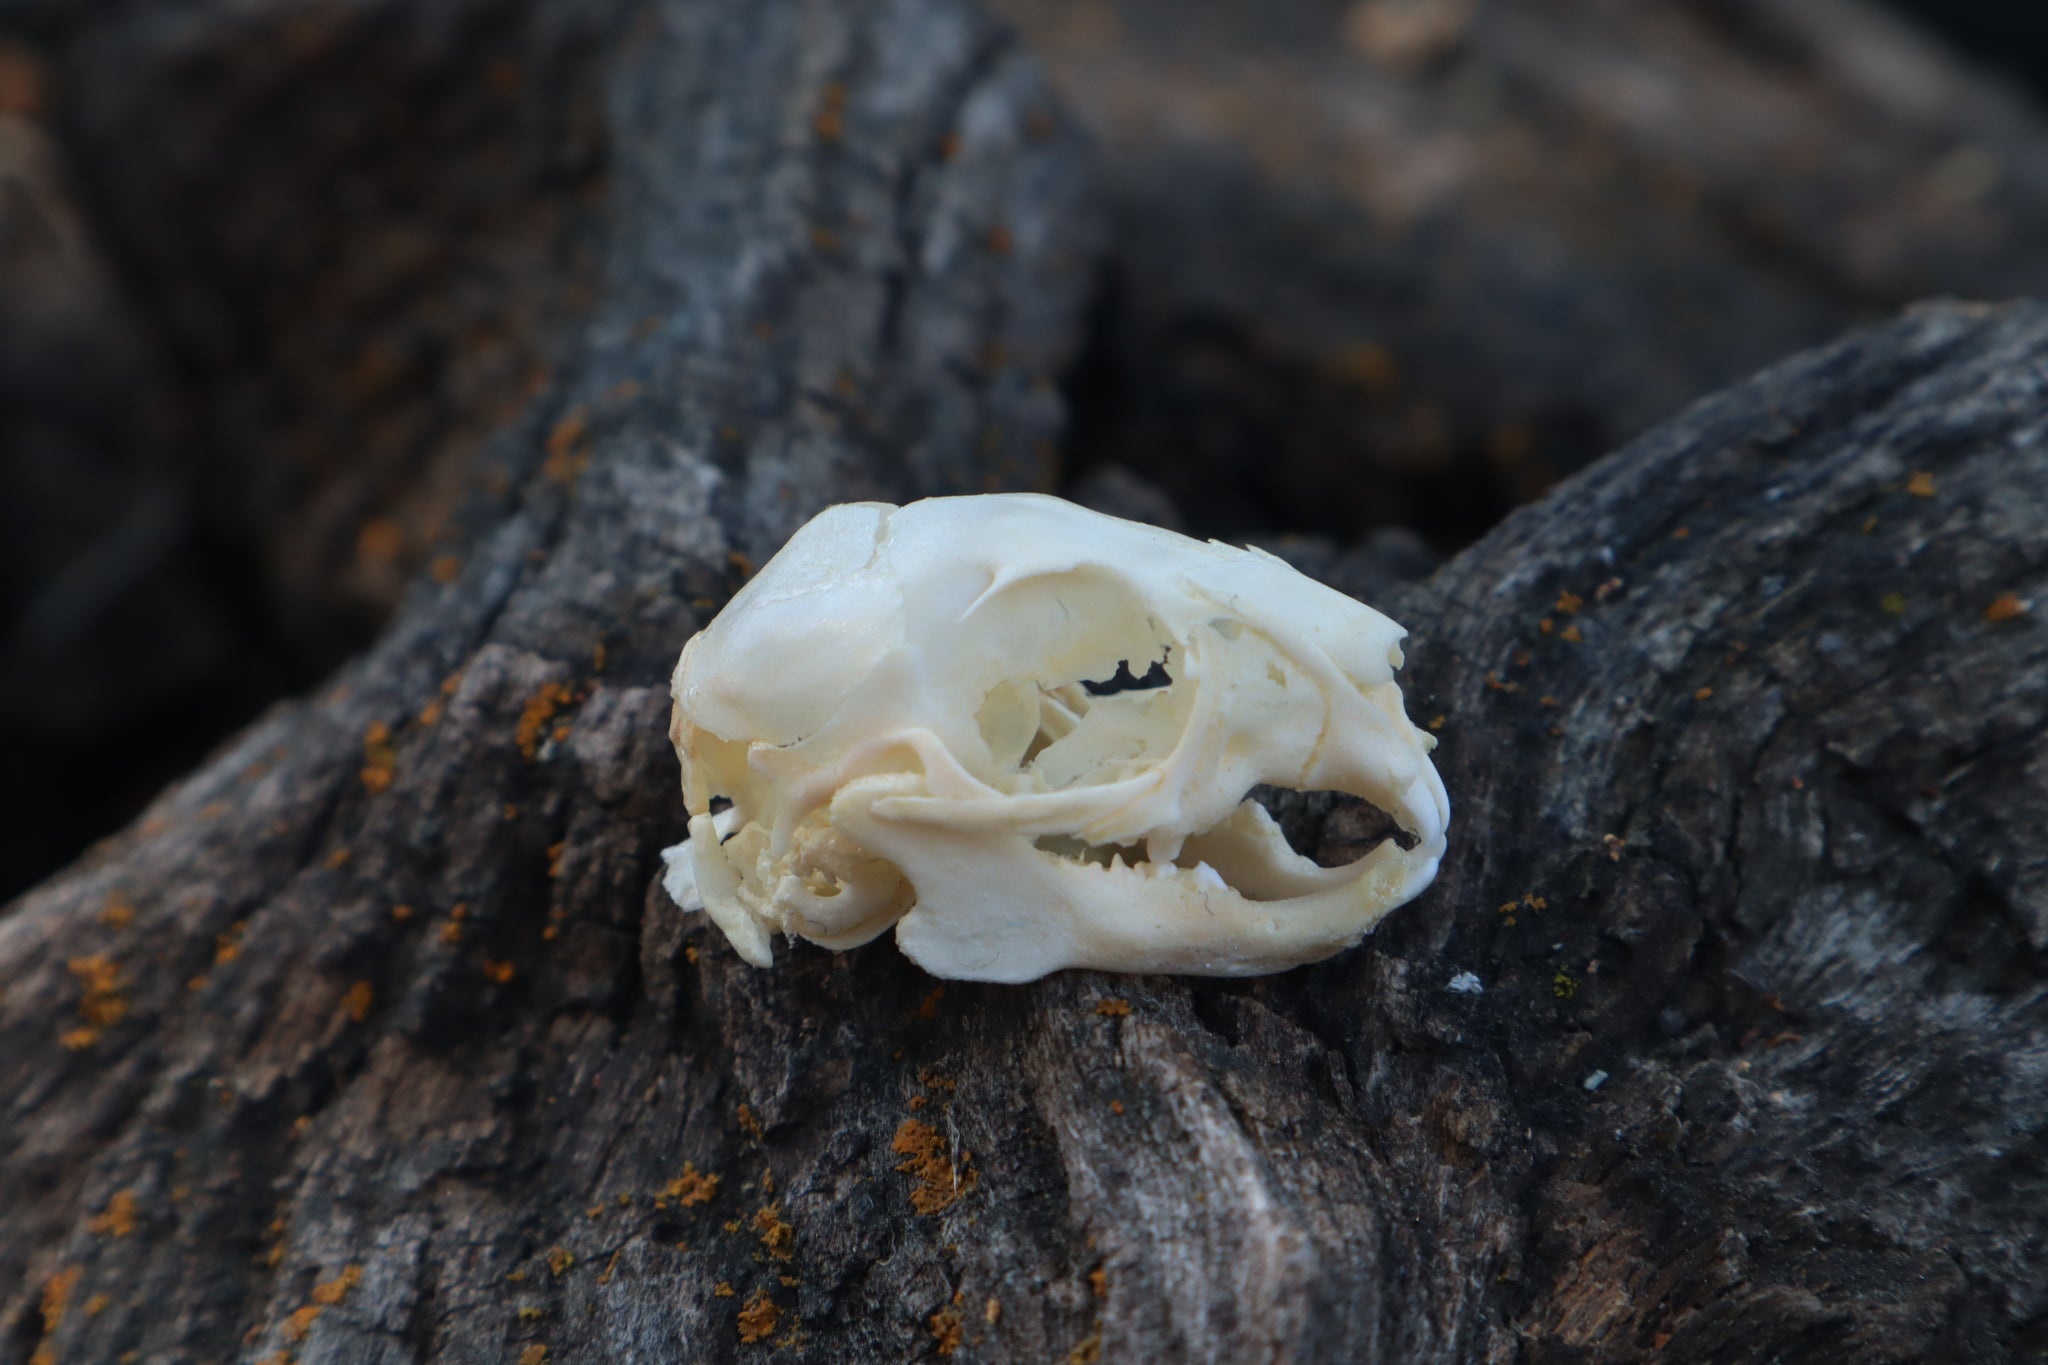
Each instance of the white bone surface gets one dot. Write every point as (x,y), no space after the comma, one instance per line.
(894,707)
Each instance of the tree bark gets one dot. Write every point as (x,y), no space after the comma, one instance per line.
(1409,261)
(377,1040)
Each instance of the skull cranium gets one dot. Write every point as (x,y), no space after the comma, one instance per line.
(899,709)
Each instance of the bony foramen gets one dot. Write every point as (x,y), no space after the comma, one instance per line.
(902,721)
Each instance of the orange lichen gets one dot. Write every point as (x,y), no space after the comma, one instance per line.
(228,946)
(568,451)
(1528,901)
(380,759)
(748,1122)
(1569,602)
(560,1259)
(1615,843)
(536,1354)
(1570,634)
(936,1184)
(929,1008)
(555,858)
(992,1311)
(451,933)
(400,913)
(339,858)
(722,1290)
(117,1219)
(1113,1008)
(57,1296)
(758,1317)
(540,708)
(777,1236)
(1087,1350)
(98,1304)
(1098,1282)
(100,1003)
(693,1186)
(499,971)
(118,914)
(445,568)
(358,1001)
(2005,608)
(1921,484)
(742,562)
(301,1321)
(948,1331)
(1703,694)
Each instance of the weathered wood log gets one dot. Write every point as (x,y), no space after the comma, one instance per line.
(1408,261)
(376,1038)
(1398,262)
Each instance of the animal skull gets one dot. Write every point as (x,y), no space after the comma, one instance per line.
(897,709)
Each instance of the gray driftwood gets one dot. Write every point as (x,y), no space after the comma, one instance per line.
(376,1040)
(1408,261)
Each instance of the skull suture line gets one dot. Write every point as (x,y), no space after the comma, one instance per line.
(896,707)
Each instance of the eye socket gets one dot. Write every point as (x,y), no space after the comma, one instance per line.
(1122,681)
(1019,719)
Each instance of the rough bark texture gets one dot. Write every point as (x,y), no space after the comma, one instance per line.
(1399,262)
(1407,261)
(376,1040)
